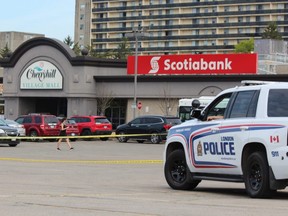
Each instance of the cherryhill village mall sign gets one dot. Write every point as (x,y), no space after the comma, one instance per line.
(41,75)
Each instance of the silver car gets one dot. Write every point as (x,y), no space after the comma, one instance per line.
(20,128)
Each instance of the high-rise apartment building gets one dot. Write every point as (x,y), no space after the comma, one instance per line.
(14,39)
(177,26)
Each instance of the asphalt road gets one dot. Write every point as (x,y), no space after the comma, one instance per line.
(111,178)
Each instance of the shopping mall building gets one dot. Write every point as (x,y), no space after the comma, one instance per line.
(45,75)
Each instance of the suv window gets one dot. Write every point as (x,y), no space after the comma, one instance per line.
(278,103)
(137,121)
(218,107)
(37,119)
(50,119)
(245,104)
(27,119)
(151,120)
(101,120)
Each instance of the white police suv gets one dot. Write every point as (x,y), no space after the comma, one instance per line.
(241,136)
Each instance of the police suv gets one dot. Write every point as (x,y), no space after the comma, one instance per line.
(241,136)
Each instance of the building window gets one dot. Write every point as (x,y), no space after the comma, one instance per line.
(81,26)
(81,16)
(82,6)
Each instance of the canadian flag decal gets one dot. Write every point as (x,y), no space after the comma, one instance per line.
(274,139)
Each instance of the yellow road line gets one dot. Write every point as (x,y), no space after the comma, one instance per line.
(85,161)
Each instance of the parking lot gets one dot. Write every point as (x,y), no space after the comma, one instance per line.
(112,178)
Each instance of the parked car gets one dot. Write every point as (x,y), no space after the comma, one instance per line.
(72,129)
(8,135)
(38,125)
(153,128)
(21,129)
(172,120)
(93,125)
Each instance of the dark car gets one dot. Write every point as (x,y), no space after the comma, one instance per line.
(153,128)
(93,125)
(37,125)
(8,135)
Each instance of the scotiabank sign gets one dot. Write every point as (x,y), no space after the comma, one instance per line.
(195,64)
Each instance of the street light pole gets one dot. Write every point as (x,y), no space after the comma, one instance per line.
(135,74)
(136,33)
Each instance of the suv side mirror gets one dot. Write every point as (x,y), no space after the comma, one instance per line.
(195,113)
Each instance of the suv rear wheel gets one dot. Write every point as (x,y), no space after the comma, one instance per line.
(256,176)
(86,133)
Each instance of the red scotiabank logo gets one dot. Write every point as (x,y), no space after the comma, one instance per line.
(194,64)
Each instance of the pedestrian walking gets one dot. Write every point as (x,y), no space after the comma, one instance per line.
(63,133)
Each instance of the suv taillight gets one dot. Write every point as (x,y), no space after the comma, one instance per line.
(167,126)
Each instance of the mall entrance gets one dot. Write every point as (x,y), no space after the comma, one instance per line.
(55,106)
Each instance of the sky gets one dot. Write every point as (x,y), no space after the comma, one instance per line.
(53,18)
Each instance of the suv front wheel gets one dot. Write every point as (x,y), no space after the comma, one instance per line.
(177,173)
(155,138)
(33,134)
(122,138)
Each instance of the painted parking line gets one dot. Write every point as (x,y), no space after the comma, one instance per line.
(84,161)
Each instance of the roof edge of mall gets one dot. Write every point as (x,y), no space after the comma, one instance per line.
(45,75)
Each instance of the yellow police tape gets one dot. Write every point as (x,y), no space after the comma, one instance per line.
(78,137)
(85,161)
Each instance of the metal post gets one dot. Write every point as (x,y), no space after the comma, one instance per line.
(135,74)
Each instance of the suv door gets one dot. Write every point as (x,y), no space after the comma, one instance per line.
(222,144)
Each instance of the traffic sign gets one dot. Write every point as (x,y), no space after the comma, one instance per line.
(139,105)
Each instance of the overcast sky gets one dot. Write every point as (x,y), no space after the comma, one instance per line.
(54,18)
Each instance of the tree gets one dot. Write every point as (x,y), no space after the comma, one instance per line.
(68,40)
(167,103)
(245,46)
(104,98)
(271,32)
(74,46)
(5,51)
(123,50)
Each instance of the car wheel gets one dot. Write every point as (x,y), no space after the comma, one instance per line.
(122,138)
(155,138)
(177,173)
(12,145)
(87,133)
(140,141)
(33,134)
(256,176)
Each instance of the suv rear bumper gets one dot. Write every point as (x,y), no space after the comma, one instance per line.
(102,132)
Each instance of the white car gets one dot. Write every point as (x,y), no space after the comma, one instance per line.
(21,129)
(241,136)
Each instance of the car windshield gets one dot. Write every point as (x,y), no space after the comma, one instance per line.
(2,122)
(10,122)
(71,121)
